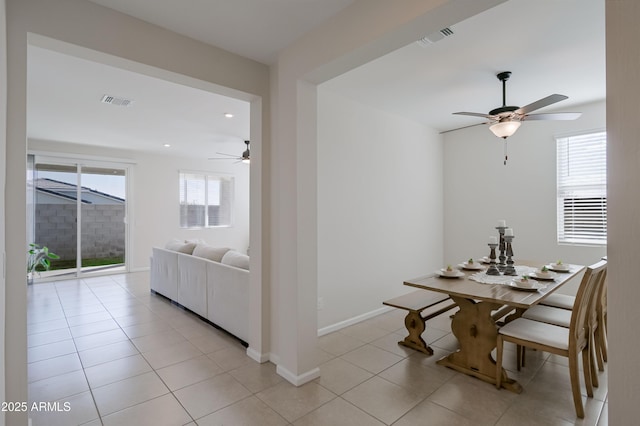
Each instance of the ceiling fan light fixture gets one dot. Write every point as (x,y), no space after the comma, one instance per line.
(504,129)
(246,155)
(244,158)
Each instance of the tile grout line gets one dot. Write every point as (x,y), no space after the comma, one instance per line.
(95,404)
(129,339)
(171,392)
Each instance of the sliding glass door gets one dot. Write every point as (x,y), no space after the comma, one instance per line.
(102,218)
(55,215)
(79,213)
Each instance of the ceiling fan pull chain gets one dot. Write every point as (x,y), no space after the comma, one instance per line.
(505,152)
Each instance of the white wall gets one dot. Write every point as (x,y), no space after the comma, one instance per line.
(623,152)
(3,144)
(480,190)
(379,206)
(361,32)
(153,201)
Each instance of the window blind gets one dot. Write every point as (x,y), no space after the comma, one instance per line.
(205,200)
(582,189)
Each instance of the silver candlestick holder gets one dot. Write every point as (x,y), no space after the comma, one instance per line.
(502,247)
(493,270)
(509,269)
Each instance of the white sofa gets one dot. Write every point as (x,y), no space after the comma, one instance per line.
(211,282)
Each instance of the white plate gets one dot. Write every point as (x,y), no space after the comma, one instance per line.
(565,268)
(485,260)
(531,287)
(476,266)
(549,277)
(457,274)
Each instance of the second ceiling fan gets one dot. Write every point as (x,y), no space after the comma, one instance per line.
(245,157)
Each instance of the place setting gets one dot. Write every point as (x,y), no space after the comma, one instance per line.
(457,272)
(450,272)
(559,267)
(525,283)
(472,265)
(543,274)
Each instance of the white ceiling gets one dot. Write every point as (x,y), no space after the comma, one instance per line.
(551,46)
(256,29)
(64,104)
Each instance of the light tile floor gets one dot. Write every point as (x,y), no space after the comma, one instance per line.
(119,355)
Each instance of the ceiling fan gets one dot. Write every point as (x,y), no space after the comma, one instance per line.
(244,157)
(505,120)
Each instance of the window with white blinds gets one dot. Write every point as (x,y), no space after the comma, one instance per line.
(582,189)
(205,200)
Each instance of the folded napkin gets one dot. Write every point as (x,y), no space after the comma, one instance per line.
(483,278)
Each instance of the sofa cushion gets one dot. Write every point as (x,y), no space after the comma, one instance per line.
(234,258)
(174,244)
(195,241)
(186,248)
(211,253)
(180,247)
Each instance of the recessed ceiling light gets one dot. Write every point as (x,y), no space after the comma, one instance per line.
(166,145)
(228,115)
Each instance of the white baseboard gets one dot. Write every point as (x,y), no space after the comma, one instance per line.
(257,356)
(298,380)
(351,321)
(275,359)
(141,269)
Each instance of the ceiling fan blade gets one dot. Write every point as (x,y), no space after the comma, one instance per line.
(551,99)
(230,158)
(474,114)
(228,155)
(460,128)
(553,116)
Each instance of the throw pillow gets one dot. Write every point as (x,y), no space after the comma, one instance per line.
(211,253)
(174,244)
(186,248)
(234,258)
(195,240)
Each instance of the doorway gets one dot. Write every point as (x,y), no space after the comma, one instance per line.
(78,210)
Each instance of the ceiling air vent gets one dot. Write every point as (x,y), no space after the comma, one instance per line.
(433,37)
(114,100)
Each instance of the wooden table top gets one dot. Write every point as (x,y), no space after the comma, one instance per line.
(499,293)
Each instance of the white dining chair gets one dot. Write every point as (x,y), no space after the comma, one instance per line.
(570,342)
(556,310)
(564,301)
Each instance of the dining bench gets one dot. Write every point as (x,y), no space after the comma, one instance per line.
(416,302)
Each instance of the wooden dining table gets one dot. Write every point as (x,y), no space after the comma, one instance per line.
(481,305)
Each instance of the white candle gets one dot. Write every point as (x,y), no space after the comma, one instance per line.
(493,240)
(502,223)
(508,232)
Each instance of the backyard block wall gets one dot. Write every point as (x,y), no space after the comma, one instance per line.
(103,230)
